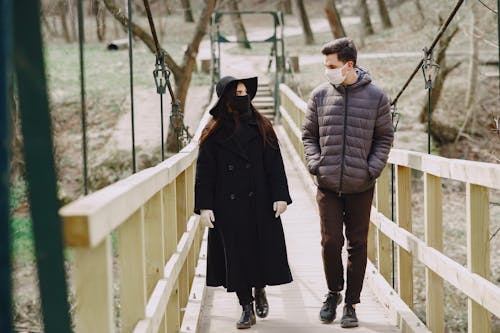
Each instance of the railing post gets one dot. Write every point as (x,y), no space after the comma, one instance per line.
(94,288)
(384,242)
(154,242)
(403,208)
(434,238)
(170,229)
(182,218)
(478,251)
(132,263)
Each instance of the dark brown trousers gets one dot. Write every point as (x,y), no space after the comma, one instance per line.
(353,211)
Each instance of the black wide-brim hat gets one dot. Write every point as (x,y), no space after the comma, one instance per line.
(229,81)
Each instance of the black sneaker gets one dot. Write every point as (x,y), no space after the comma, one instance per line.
(349,318)
(329,308)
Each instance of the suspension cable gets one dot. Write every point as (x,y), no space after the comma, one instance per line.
(429,50)
(488,7)
(82,96)
(131,69)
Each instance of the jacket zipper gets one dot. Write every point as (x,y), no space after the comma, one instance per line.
(343,147)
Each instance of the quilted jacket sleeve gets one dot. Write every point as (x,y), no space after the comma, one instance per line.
(310,137)
(383,137)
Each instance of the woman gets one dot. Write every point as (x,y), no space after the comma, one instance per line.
(240,191)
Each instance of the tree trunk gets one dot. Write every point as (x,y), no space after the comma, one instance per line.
(63,9)
(285,6)
(306,26)
(365,18)
(441,132)
(188,12)
(168,11)
(473,68)
(73,17)
(333,17)
(100,19)
(16,138)
(241,33)
(384,14)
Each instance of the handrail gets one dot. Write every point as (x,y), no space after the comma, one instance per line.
(484,296)
(159,241)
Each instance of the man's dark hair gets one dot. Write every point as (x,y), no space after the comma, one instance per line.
(343,47)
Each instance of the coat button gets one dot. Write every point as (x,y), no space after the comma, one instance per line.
(248,166)
(232,196)
(251,194)
(230,167)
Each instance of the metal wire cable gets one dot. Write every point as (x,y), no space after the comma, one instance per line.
(82,96)
(485,5)
(131,67)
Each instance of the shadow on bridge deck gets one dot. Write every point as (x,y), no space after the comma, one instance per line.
(294,307)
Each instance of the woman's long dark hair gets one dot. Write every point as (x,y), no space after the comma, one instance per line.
(227,113)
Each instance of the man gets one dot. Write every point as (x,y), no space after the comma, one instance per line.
(347,136)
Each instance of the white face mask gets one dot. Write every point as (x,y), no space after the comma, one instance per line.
(335,76)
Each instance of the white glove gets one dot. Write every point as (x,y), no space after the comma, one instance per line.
(207,217)
(279,207)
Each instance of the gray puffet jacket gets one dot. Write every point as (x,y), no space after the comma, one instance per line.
(347,134)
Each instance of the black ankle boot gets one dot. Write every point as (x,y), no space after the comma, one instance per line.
(247,317)
(261,305)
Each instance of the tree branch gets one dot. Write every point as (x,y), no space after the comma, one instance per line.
(142,34)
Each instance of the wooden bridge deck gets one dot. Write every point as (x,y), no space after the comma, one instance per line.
(294,307)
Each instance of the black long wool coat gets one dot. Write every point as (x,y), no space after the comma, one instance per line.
(239,180)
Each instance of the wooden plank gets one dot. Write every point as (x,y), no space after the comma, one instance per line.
(154,241)
(473,285)
(403,211)
(157,304)
(132,265)
(402,314)
(478,250)
(383,242)
(94,288)
(434,238)
(173,311)
(295,131)
(181,208)
(87,221)
(287,93)
(478,173)
(170,219)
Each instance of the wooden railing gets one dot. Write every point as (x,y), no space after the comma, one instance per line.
(155,253)
(483,295)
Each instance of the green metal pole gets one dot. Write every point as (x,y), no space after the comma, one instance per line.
(39,162)
(81,36)
(5,86)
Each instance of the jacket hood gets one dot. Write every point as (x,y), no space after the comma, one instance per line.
(364,78)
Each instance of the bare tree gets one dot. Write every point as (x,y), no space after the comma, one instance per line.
(285,6)
(306,26)
(182,72)
(100,19)
(62,7)
(365,18)
(188,12)
(472,74)
(384,14)
(333,17)
(241,32)
(442,132)
(16,138)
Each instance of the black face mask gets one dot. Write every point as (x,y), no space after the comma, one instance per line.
(241,103)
